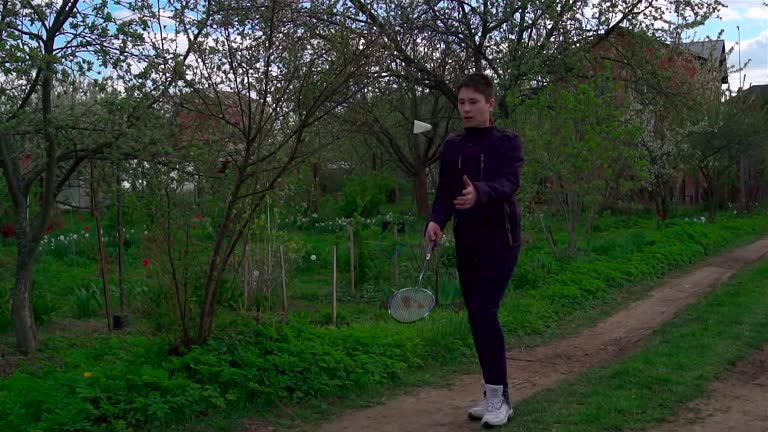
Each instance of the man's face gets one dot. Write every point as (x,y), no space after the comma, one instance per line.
(475,110)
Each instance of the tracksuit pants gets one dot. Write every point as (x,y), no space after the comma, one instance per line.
(484,278)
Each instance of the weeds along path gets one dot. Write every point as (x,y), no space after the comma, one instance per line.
(532,370)
(739,402)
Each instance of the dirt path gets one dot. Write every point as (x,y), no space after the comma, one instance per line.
(738,403)
(532,370)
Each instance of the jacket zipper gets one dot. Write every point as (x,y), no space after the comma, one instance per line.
(456,216)
(506,220)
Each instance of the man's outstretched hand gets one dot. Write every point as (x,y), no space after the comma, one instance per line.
(468,198)
(433,234)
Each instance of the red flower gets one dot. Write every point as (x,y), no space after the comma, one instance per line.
(145,262)
(662,215)
(86,228)
(197,217)
(49,228)
(194,226)
(8,231)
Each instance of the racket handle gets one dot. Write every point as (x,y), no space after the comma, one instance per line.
(430,248)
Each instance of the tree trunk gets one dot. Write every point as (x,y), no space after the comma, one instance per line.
(208,310)
(23,318)
(572,206)
(26,333)
(216,268)
(420,190)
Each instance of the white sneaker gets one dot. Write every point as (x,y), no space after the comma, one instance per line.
(498,407)
(478,411)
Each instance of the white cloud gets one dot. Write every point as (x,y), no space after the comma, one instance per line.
(755,44)
(728,14)
(757,13)
(122,14)
(755,51)
(166,16)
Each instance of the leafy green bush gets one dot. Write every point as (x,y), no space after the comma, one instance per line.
(86,302)
(6,324)
(42,308)
(129,383)
(365,195)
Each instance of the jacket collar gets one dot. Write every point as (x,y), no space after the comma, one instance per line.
(478,135)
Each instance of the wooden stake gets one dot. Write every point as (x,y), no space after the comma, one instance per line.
(351,231)
(333,292)
(270,262)
(397,260)
(247,274)
(270,279)
(102,251)
(285,291)
(120,244)
(436,257)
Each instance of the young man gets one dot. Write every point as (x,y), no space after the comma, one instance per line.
(479,177)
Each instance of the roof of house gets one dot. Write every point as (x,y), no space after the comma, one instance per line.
(713,50)
(707,49)
(758,92)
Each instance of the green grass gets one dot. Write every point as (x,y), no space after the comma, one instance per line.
(680,361)
(547,291)
(248,367)
(564,300)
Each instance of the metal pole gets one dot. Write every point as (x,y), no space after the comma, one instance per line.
(740,78)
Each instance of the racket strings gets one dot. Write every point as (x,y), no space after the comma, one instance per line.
(411,304)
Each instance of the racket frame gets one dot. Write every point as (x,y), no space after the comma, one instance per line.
(400,292)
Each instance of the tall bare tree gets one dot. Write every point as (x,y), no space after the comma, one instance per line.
(263,76)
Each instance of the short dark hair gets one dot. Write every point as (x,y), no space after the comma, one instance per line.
(478,82)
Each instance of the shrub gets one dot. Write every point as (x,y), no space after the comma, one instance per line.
(365,195)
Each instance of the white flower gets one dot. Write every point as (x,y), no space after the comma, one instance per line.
(61,238)
(86,235)
(313,258)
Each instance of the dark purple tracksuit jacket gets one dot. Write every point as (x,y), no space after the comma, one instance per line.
(487,235)
(492,159)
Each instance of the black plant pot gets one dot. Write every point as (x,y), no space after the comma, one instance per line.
(119,321)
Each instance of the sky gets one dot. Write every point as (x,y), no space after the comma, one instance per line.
(751,17)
